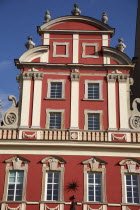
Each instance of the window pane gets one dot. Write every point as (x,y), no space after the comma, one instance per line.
(52,180)
(94,187)
(132,188)
(15,185)
(93,91)
(94,121)
(56,90)
(55,120)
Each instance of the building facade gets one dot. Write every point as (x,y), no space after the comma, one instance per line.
(72,141)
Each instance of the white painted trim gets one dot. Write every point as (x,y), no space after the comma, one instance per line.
(25,107)
(48,111)
(36,114)
(86,112)
(63,81)
(55,44)
(75,48)
(33,53)
(100,82)
(74,117)
(46,40)
(123,105)
(112,123)
(105,40)
(84,45)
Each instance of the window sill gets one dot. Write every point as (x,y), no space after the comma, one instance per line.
(86,99)
(61,99)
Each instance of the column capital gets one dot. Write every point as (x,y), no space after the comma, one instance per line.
(27,75)
(122,78)
(111,78)
(38,76)
(75,75)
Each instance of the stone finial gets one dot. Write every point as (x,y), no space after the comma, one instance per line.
(30,44)
(47,16)
(121,46)
(104,17)
(76,10)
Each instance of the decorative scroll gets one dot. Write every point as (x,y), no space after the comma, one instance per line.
(29,135)
(118,137)
(89,208)
(9,208)
(47,208)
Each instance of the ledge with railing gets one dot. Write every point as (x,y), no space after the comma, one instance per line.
(69,135)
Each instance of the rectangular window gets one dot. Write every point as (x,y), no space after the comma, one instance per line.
(132,188)
(53,186)
(55,120)
(93,90)
(15,186)
(93,121)
(56,90)
(94,187)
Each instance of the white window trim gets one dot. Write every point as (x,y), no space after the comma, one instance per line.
(63,81)
(59,182)
(84,45)
(48,111)
(86,112)
(124,172)
(55,44)
(100,82)
(54,168)
(15,167)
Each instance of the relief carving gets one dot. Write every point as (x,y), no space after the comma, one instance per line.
(11,115)
(135,115)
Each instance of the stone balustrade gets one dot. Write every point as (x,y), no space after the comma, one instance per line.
(69,135)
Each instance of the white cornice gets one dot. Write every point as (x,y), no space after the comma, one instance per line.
(33,53)
(84,19)
(117,55)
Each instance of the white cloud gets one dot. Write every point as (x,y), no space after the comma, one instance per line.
(5,64)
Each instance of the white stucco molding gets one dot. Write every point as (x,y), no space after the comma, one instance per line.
(117,55)
(84,19)
(33,53)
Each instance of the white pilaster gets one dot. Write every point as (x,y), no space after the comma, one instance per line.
(37,99)
(123,101)
(46,41)
(75,48)
(105,42)
(111,102)
(25,107)
(74,123)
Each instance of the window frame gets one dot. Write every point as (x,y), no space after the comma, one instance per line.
(84,45)
(53,185)
(48,111)
(100,112)
(89,167)
(63,81)
(100,82)
(50,164)
(13,165)
(93,184)
(15,184)
(131,187)
(55,44)
(129,166)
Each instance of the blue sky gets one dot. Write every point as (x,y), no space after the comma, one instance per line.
(20,18)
